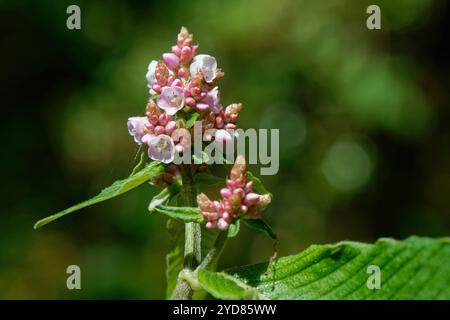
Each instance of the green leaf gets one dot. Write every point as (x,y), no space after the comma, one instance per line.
(192,118)
(260,225)
(415,268)
(117,188)
(182,214)
(233,229)
(164,196)
(222,286)
(258,186)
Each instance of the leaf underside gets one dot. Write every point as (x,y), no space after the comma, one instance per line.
(415,268)
(117,188)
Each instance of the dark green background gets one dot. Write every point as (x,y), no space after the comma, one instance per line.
(363,115)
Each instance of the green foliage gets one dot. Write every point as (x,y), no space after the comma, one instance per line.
(182,214)
(174,259)
(261,225)
(415,268)
(164,196)
(233,229)
(192,118)
(223,286)
(117,188)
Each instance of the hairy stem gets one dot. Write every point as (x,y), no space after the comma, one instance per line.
(192,245)
(213,255)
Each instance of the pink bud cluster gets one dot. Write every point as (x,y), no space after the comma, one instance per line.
(238,199)
(158,123)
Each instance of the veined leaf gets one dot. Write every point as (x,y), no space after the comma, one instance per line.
(182,214)
(117,188)
(260,225)
(223,286)
(415,268)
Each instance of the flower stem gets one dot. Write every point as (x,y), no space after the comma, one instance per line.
(192,245)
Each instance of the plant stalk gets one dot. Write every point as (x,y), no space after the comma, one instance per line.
(192,245)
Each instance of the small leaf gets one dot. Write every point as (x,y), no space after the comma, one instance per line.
(258,186)
(260,225)
(192,118)
(164,196)
(223,286)
(117,188)
(233,229)
(182,214)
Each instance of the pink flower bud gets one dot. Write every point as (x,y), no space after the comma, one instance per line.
(176,50)
(171,60)
(190,101)
(170,126)
(150,127)
(222,224)
(230,183)
(225,192)
(226,216)
(182,73)
(157,88)
(251,199)
(162,119)
(219,122)
(230,126)
(186,54)
(187,42)
(249,186)
(177,83)
(153,119)
(239,192)
(244,208)
(211,224)
(159,130)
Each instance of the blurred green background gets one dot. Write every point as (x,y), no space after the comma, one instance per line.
(363,118)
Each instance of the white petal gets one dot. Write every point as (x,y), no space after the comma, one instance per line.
(151,73)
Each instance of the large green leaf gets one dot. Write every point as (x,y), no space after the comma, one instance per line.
(117,188)
(415,268)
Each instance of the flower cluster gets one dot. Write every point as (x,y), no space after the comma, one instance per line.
(181,84)
(182,81)
(238,199)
